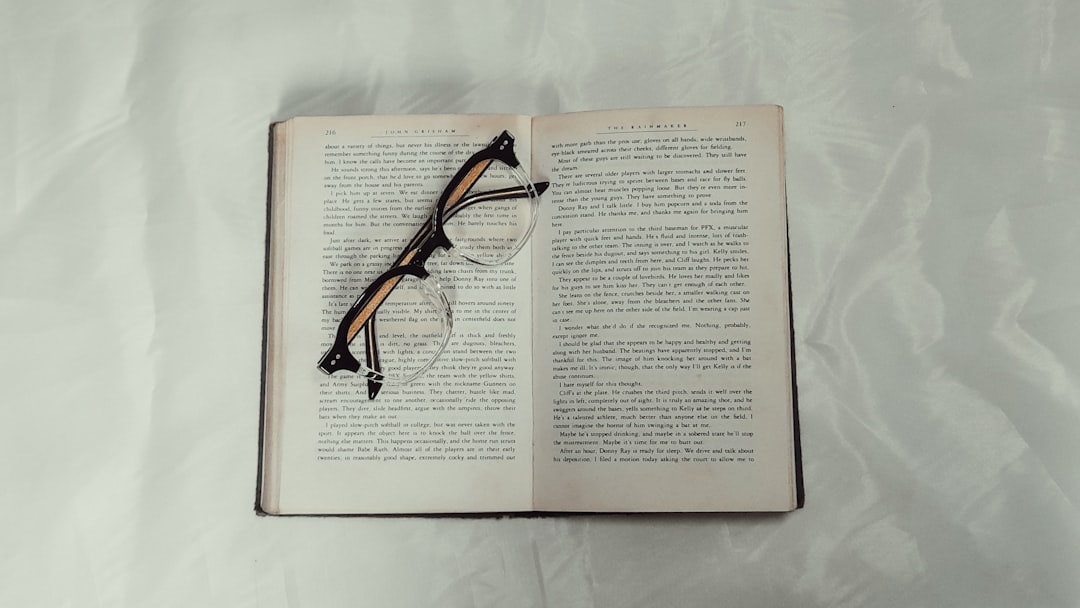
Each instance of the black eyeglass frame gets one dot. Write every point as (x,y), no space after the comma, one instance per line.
(430,237)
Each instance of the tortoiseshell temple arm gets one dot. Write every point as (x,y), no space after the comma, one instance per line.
(371,352)
(504,194)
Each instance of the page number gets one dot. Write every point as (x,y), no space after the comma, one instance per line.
(329,132)
(740,123)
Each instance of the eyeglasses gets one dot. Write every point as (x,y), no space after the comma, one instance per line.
(485,214)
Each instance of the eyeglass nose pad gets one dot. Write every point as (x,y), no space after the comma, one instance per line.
(453,254)
(437,295)
(443,267)
(434,293)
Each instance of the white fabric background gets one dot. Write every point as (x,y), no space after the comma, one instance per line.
(933,177)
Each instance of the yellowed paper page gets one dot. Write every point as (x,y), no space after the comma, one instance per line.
(459,438)
(663,378)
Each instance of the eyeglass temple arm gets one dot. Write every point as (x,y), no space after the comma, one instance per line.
(503,194)
(371,353)
(457,205)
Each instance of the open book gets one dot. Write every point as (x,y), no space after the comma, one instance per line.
(635,356)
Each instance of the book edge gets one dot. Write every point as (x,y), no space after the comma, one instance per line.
(800,489)
(261,507)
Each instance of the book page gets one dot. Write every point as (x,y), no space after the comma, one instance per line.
(662,328)
(458,439)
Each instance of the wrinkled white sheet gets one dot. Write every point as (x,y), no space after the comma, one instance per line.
(933,163)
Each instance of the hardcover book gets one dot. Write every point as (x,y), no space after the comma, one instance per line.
(585,312)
